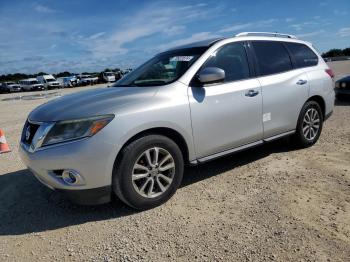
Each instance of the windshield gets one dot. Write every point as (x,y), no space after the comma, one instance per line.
(34,82)
(163,69)
(50,80)
(109,74)
(10,83)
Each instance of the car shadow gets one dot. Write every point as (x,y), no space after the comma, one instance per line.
(218,166)
(26,206)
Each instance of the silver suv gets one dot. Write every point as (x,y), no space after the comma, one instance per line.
(190,104)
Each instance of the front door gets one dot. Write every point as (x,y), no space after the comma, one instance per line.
(228,114)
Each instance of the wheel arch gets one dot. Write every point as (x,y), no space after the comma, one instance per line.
(319,99)
(165,131)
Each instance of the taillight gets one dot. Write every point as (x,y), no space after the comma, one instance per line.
(330,73)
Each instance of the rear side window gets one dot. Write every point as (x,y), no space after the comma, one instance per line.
(272,57)
(232,58)
(302,55)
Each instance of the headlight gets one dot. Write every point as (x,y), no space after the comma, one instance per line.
(343,85)
(75,129)
(336,84)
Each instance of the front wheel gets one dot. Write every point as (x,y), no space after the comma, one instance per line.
(309,125)
(149,172)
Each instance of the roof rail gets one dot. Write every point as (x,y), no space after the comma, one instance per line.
(270,34)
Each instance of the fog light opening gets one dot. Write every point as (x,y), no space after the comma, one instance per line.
(70,177)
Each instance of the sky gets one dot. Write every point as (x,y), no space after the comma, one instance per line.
(77,36)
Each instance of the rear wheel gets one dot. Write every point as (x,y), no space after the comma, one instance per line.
(309,125)
(149,172)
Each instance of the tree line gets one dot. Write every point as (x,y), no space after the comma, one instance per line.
(337,52)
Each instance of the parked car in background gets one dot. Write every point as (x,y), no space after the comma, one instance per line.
(342,88)
(8,87)
(31,84)
(94,80)
(118,75)
(84,79)
(190,104)
(49,81)
(108,77)
(68,81)
(126,71)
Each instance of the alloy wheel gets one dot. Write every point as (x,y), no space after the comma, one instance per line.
(153,172)
(311,124)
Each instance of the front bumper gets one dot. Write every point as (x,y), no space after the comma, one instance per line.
(342,91)
(94,196)
(15,89)
(38,88)
(91,158)
(53,86)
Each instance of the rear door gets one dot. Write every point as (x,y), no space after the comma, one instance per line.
(285,88)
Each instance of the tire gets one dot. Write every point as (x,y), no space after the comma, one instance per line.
(302,137)
(134,192)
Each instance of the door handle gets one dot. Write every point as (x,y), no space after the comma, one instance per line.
(301,82)
(252,93)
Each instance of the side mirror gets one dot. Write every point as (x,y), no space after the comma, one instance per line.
(211,75)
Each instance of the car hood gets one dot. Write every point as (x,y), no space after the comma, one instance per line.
(91,103)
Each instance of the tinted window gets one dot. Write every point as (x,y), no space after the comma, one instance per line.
(232,58)
(302,55)
(272,57)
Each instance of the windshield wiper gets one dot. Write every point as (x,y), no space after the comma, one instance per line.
(125,85)
(152,83)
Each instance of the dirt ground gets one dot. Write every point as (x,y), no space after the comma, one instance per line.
(272,202)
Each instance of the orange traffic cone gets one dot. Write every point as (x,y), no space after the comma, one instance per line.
(4,147)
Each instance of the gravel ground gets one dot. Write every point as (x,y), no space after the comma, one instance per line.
(269,203)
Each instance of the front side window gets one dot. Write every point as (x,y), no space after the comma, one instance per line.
(302,55)
(163,69)
(272,57)
(232,58)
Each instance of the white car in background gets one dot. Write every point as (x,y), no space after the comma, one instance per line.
(9,87)
(87,80)
(49,81)
(68,81)
(108,76)
(31,84)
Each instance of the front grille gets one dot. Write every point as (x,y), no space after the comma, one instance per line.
(29,131)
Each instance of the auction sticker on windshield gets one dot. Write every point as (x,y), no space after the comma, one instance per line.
(181,58)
